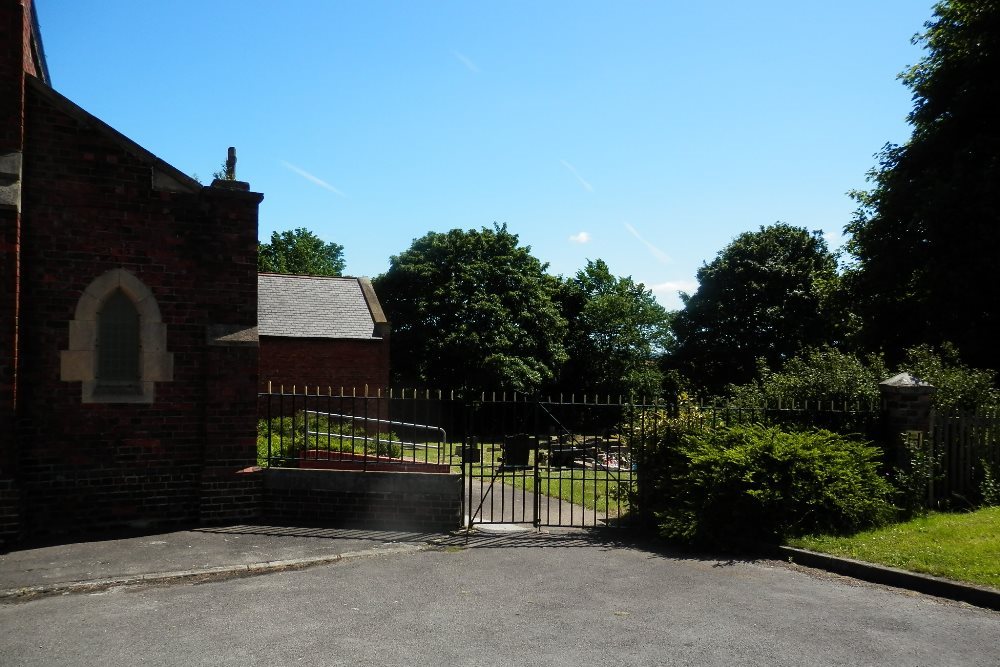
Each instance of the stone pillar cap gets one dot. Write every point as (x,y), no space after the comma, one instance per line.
(905,379)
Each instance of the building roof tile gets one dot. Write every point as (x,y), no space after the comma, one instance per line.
(314,307)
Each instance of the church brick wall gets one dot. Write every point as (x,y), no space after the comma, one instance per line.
(322,362)
(89,206)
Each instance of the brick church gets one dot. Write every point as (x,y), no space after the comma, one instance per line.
(128,314)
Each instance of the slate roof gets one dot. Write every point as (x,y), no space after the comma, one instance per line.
(316,307)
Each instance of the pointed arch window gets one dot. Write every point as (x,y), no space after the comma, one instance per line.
(117,342)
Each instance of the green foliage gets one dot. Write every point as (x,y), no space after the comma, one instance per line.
(989,487)
(822,374)
(826,374)
(767,295)
(472,310)
(226,173)
(924,237)
(300,252)
(287,438)
(616,332)
(959,387)
(913,480)
(275,440)
(753,483)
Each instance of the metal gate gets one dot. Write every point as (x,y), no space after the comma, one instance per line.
(572,461)
(564,462)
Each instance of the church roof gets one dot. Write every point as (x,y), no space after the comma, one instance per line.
(317,307)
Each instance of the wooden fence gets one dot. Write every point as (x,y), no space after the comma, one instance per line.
(965,448)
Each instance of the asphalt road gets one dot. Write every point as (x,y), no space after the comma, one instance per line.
(522,599)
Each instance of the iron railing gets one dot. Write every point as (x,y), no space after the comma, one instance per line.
(553,461)
(315,428)
(565,460)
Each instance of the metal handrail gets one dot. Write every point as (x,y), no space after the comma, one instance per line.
(444,435)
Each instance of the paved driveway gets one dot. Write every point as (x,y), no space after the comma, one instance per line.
(524,599)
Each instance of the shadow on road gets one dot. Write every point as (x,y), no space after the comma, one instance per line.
(323,533)
(601,537)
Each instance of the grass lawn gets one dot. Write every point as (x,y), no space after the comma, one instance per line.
(594,489)
(963,547)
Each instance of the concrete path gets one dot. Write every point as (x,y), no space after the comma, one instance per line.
(562,598)
(505,503)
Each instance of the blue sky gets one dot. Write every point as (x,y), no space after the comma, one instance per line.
(647,134)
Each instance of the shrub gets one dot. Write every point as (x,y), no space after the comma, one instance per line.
(816,375)
(913,478)
(753,483)
(989,488)
(959,387)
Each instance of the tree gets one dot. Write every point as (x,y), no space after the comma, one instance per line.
(767,295)
(472,310)
(301,252)
(616,332)
(925,236)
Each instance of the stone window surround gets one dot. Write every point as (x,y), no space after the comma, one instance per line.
(79,362)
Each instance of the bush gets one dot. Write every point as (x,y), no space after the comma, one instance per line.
(914,477)
(959,387)
(753,483)
(989,488)
(816,375)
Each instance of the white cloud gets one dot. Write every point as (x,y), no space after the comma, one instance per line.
(309,177)
(587,186)
(465,60)
(834,239)
(656,252)
(582,237)
(667,293)
(672,286)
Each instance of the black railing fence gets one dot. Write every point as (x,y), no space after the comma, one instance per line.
(555,460)
(313,427)
(425,426)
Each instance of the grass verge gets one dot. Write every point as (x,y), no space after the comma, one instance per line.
(962,547)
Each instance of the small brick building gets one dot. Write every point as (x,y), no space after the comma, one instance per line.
(321,331)
(128,307)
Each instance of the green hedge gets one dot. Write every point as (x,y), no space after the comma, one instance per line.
(753,483)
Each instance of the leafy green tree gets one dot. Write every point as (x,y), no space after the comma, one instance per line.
(616,333)
(767,295)
(301,252)
(925,236)
(472,310)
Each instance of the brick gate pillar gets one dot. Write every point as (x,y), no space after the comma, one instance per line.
(230,485)
(907,405)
